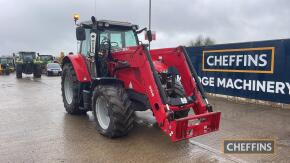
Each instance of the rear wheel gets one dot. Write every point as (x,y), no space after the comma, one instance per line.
(112,111)
(7,71)
(70,88)
(19,71)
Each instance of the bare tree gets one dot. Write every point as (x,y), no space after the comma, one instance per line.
(201,41)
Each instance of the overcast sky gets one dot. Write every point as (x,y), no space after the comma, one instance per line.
(46,26)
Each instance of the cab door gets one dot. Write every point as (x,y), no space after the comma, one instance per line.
(86,48)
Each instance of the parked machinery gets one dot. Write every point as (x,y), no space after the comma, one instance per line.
(28,63)
(4,66)
(45,59)
(114,75)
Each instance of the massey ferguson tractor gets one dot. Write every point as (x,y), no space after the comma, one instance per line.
(113,75)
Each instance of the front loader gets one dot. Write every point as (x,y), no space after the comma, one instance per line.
(113,75)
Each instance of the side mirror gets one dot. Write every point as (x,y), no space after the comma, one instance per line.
(80,33)
(148,36)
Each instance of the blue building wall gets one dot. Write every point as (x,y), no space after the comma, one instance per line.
(256,70)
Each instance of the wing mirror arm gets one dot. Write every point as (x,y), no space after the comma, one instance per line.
(141,30)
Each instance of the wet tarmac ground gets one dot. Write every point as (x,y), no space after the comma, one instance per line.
(34,127)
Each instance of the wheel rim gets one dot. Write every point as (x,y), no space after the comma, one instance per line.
(68,89)
(102,112)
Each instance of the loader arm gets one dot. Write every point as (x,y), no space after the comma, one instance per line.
(141,76)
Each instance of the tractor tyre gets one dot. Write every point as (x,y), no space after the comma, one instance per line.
(70,88)
(37,71)
(18,71)
(112,110)
(178,91)
(7,71)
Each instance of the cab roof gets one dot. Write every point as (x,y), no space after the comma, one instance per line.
(110,22)
(45,55)
(26,52)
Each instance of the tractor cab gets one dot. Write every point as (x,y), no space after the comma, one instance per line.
(99,39)
(27,57)
(46,58)
(101,33)
(3,60)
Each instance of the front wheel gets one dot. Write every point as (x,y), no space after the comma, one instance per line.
(37,71)
(70,88)
(7,71)
(112,111)
(178,92)
(18,71)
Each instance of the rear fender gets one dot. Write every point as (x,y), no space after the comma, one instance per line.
(79,66)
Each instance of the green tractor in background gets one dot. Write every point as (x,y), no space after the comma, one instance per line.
(45,59)
(11,63)
(28,63)
(4,66)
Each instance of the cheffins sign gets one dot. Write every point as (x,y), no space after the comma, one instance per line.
(255,70)
(247,60)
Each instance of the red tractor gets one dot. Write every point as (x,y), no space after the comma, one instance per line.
(113,75)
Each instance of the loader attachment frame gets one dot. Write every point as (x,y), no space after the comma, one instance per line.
(142,77)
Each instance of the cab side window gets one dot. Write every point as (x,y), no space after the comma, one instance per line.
(103,37)
(130,39)
(85,45)
(116,38)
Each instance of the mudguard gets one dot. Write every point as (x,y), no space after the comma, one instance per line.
(79,66)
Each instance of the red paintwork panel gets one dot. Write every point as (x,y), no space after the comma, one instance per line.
(159,66)
(80,67)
